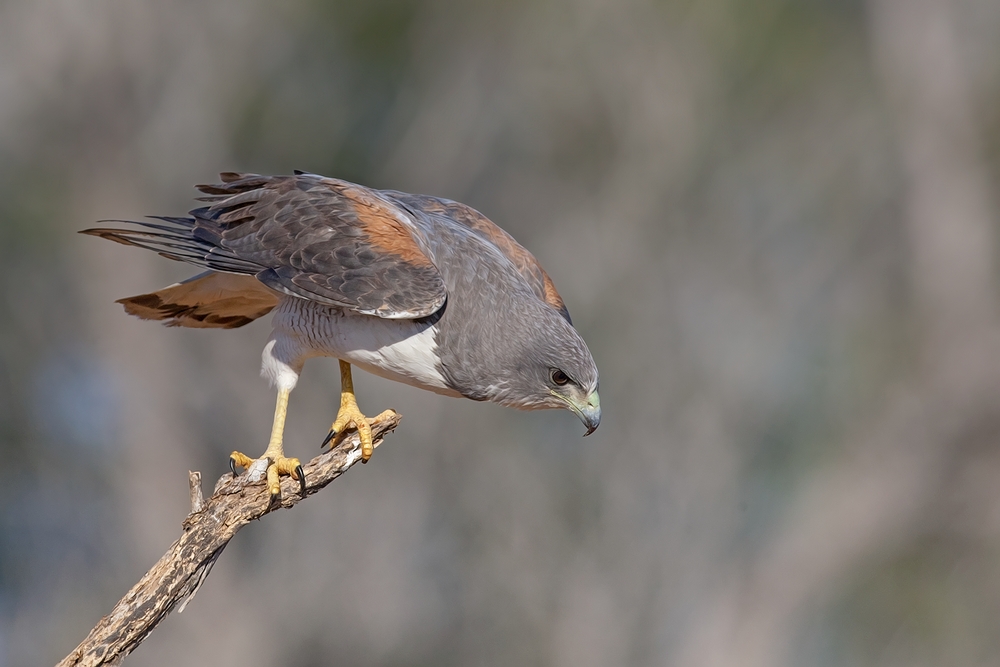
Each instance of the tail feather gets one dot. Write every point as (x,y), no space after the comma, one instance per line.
(228,295)
(208,300)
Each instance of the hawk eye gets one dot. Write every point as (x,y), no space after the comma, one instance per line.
(558,377)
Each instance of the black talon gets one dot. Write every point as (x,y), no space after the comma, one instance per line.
(274,501)
(329,436)
(232,466)
(301,474)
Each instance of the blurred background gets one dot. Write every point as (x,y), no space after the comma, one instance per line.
(774,221)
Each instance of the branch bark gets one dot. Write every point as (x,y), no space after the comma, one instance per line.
(174,580)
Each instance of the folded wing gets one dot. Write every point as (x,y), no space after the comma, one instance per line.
(468,217)
(314,238)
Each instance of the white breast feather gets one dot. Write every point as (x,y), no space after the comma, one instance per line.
(400,350)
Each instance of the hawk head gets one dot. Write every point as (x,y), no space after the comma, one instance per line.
(548,365)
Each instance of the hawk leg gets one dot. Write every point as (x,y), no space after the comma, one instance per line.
(277,463)
(349,415)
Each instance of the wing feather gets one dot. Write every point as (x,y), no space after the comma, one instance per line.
(520,257)
(311,237)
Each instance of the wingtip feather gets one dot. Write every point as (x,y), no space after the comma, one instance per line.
(107,233)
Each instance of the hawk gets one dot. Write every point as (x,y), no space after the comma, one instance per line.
(413,288)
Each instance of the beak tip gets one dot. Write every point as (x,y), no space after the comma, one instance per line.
(589,412)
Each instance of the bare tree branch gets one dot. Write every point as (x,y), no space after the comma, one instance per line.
(178,575)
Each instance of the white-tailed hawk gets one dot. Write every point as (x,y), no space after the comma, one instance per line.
(413,288)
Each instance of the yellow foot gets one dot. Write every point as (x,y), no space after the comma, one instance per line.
(276,466)
(350,417)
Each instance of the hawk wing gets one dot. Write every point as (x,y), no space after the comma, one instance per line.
(468,217)
(316,238)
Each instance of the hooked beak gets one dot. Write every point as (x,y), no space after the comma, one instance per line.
(589,412)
